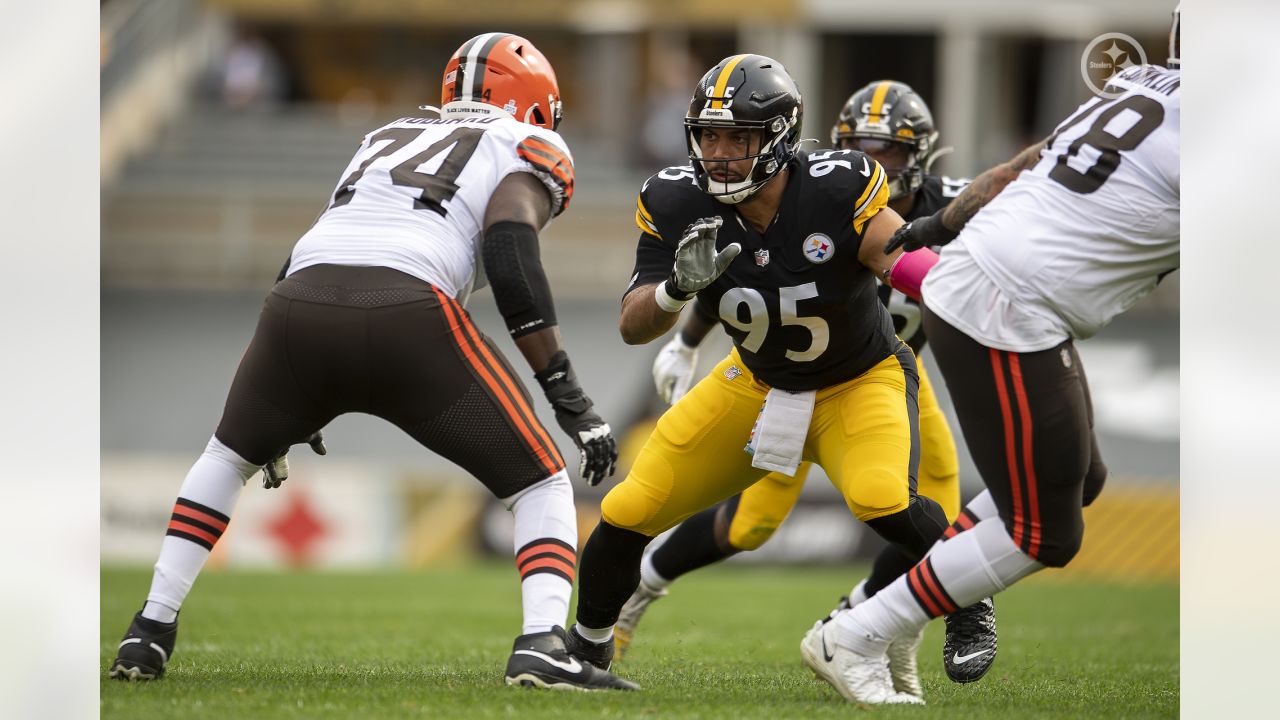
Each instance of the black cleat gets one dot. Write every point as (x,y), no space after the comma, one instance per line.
(970,647)
(598,654)
(541,660)
(145,650)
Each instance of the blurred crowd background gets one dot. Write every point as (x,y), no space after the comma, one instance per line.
(225,125)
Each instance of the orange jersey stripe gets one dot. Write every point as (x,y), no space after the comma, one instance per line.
(557,164)
(493,385)
(205,518)
(1020,392)
(1010,451)
(512,388)
(552,563)
(558,158)
(563,552)
(193,530)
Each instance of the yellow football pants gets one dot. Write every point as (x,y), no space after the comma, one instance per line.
(764,506)
(860,433)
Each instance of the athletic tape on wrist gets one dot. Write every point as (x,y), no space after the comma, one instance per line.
(666,302)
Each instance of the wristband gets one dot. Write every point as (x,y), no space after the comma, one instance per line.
(667,301)
(908,271)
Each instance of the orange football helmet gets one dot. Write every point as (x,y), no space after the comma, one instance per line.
(507,72)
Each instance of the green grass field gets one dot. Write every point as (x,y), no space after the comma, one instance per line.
(725,645)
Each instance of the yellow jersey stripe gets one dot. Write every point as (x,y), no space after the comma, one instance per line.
(723,80)
(645,227)
(643,210)
(877,176)
(877,100)
(878,200)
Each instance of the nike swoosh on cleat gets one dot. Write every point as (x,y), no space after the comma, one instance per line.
(572,666)
(959,659)
(825,654)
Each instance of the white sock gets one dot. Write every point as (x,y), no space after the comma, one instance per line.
(160,613)
(204,505)
(980,563)
(957,573)
(648,574)
(858,594)
(595,635)
(546,547)
(982,506)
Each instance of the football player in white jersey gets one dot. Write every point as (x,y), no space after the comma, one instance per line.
(892,124)
(1088,227)
(369,317)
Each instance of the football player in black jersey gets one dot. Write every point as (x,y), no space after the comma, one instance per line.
(890,122)
(785,247)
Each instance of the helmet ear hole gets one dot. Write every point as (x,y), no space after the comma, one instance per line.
(538,117)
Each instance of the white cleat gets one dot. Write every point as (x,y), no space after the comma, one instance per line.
(624,630)
(902,663)
(858,678)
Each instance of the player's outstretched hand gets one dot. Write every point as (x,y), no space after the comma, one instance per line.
(697,262)
(277,470)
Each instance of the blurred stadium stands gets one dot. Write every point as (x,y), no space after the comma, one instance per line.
(226,122)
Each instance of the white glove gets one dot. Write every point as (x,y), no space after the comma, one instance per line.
(673,369)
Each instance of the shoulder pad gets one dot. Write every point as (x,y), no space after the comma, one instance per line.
(550,161)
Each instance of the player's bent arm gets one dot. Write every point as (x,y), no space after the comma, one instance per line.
(642,318)
(903,271)
(880,229)
(520,206)
(986,186)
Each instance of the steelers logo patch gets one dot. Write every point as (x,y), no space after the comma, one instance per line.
(819,248)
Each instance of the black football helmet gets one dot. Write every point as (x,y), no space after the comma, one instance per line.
(890,111)
(1175,39)
(746,91)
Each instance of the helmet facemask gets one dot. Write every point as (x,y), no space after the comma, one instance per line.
(775,150)
(905,163)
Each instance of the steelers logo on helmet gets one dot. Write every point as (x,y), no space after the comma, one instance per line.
(751,93)
(891,122)
(818,248)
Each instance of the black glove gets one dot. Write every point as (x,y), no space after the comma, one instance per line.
(922,232)
(573,411)
(277,471)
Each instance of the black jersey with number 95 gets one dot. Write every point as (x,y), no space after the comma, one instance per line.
(801,309)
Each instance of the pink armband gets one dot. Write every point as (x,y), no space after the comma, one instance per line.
(908,271)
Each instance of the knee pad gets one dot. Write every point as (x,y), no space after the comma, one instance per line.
(876,493)
(1094,480)
(1060,551)
(914,529)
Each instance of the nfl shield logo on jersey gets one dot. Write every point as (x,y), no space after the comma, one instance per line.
(762,257)
(818,248)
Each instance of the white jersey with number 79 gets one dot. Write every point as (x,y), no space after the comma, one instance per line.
(1081,236)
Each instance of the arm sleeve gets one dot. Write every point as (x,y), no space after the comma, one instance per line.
(514,268)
